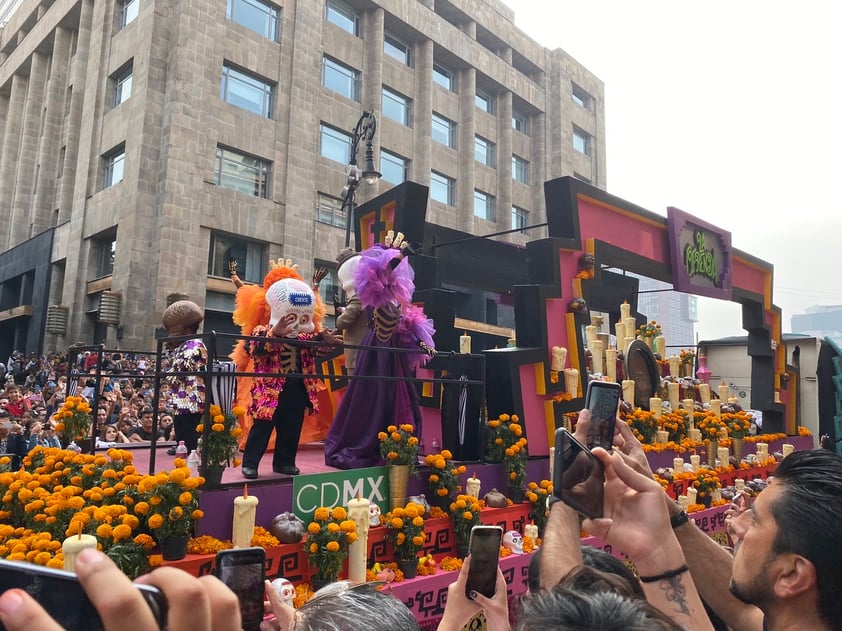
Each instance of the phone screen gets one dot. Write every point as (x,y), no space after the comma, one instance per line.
(578,475)
(61,595)
(484,547)
(242,570)
(602,400)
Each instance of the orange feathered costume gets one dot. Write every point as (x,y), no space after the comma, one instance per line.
(251,310)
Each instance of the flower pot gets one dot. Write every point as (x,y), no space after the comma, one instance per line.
(409,568)
(442,501)
(398,480)
(212,475)
(174,547)
(737,444)
(516,494)
(706,500)
(713,445)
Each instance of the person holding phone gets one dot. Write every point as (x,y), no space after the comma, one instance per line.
(461,608)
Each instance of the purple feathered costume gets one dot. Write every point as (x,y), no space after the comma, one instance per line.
(384,283)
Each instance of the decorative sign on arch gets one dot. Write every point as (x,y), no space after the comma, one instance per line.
(701,255)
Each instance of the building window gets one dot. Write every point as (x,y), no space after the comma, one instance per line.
(246,91)
(250,256)
(114,163)
(520,170)
(520,218)
(580,97)
(239,172)
(397,107)
(342,15)
(341,78)
(330,289)
(581,141)
(484,151)
(122,85)
(104,251)
(444,131)
(442,188)
(483,205)
(519,122)
(444,76)
(394,167)
(261,17)
(128,12)
(397,49)
(485,101)
(329,211)
(335,144)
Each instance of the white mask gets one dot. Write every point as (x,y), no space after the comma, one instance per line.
(347,273)
(513,540)
(290,295)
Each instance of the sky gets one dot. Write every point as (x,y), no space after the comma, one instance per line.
(730,111)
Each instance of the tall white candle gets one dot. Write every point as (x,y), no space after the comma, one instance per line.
(661,346)
(724,456)
(590,334)
(787,449)
(245,509)
(625,310)
(688,405)
(662,436)
(673,389)
(531,531)
(678,465)
(552,461)
(465,344)
(72,546)
(559,354)
(358,512)
(628,391)
(596,355)
(675,363)
(473,486)
(611,363)
(762,450)
(724,391)
(691,495)
(704,393)
(626,343)
(631,327)
(620,331)
(571,381)
(655,406)
(695,461)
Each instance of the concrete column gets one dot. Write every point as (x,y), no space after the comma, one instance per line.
(422,113)
(503,215)
(539,168)
(465,133)
(9,155)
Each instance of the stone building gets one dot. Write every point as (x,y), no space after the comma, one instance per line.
(146,142)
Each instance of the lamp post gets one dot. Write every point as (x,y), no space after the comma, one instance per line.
(363,130)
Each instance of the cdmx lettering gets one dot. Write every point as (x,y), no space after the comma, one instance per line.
(698,260)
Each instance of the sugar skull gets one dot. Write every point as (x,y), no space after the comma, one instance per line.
(285,590)
(290,295)
(347,272)
(513,540)
(373,515)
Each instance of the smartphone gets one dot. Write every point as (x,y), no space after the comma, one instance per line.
(62,596)
(578,475)
(242,570)
(484,548)
(602,400)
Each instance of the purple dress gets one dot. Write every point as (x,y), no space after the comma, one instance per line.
(384,286)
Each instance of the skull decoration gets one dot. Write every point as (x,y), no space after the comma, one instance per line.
(513,540)
(290,295)
(285,590)
(347,272)
(374,515)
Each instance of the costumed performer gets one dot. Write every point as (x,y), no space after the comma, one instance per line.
(352,320)
(385,284)
(279,398)
(187,392)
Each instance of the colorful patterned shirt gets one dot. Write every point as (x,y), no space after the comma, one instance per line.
(187,392)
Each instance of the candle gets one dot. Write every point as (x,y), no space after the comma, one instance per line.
(661,346)
(673,389)
(465,343)
(531,531)
(559,354)
(689,406)
(762,450)
(777,396)
(552,461)
(611,363)
(724,456)
(695,461)
(628,391)
(675,364)
(655,406)
(590,334)
(631,327)
(620,330)
(787,449)
(625,310)
(724,392)
(739,484)
(472,486)
(716,495)
(683,501)
(723,433)
(663,436)
(358,511)
(596,355)
(695,434)
(692,495)
(245,508)
(571,382)
(717,409)
(733,400)
(678,465)
(73,545)
(626,343)
(704,392)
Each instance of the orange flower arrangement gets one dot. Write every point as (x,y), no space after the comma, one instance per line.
(329,535)
(537,495)
(399,446)
(643,425)
(443,478)
(406,530)
(706,481)
(74,419)
(223,439)
(710,424)
(464,513)
(507,444)
(738,423)
(173,503)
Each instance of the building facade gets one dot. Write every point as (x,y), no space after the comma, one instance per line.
(155,140)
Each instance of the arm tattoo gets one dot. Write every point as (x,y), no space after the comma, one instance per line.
(676,592)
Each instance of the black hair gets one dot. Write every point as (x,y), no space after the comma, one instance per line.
(592,557)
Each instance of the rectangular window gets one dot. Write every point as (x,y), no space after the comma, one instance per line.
(580,97)
(397,49)
(485,101)
(442,188)
(261,17)
(483,205)
(341,78)
(444,131)
(239,172)
(122,85)
(329,211)
(484,151)
(520,218)
(114,163)
(397,107)
(342,15)
(520,170)
(128,12)
(246,91)
(330,288)
(335,145)
(394,167)
(581,141)
(444,77)
(249,255)
(104,251)
(519,122)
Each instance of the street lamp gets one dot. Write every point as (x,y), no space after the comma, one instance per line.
(364,130)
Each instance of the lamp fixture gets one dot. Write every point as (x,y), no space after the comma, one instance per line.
(364,130)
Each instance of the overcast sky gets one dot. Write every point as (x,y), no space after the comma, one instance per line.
(731,112)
